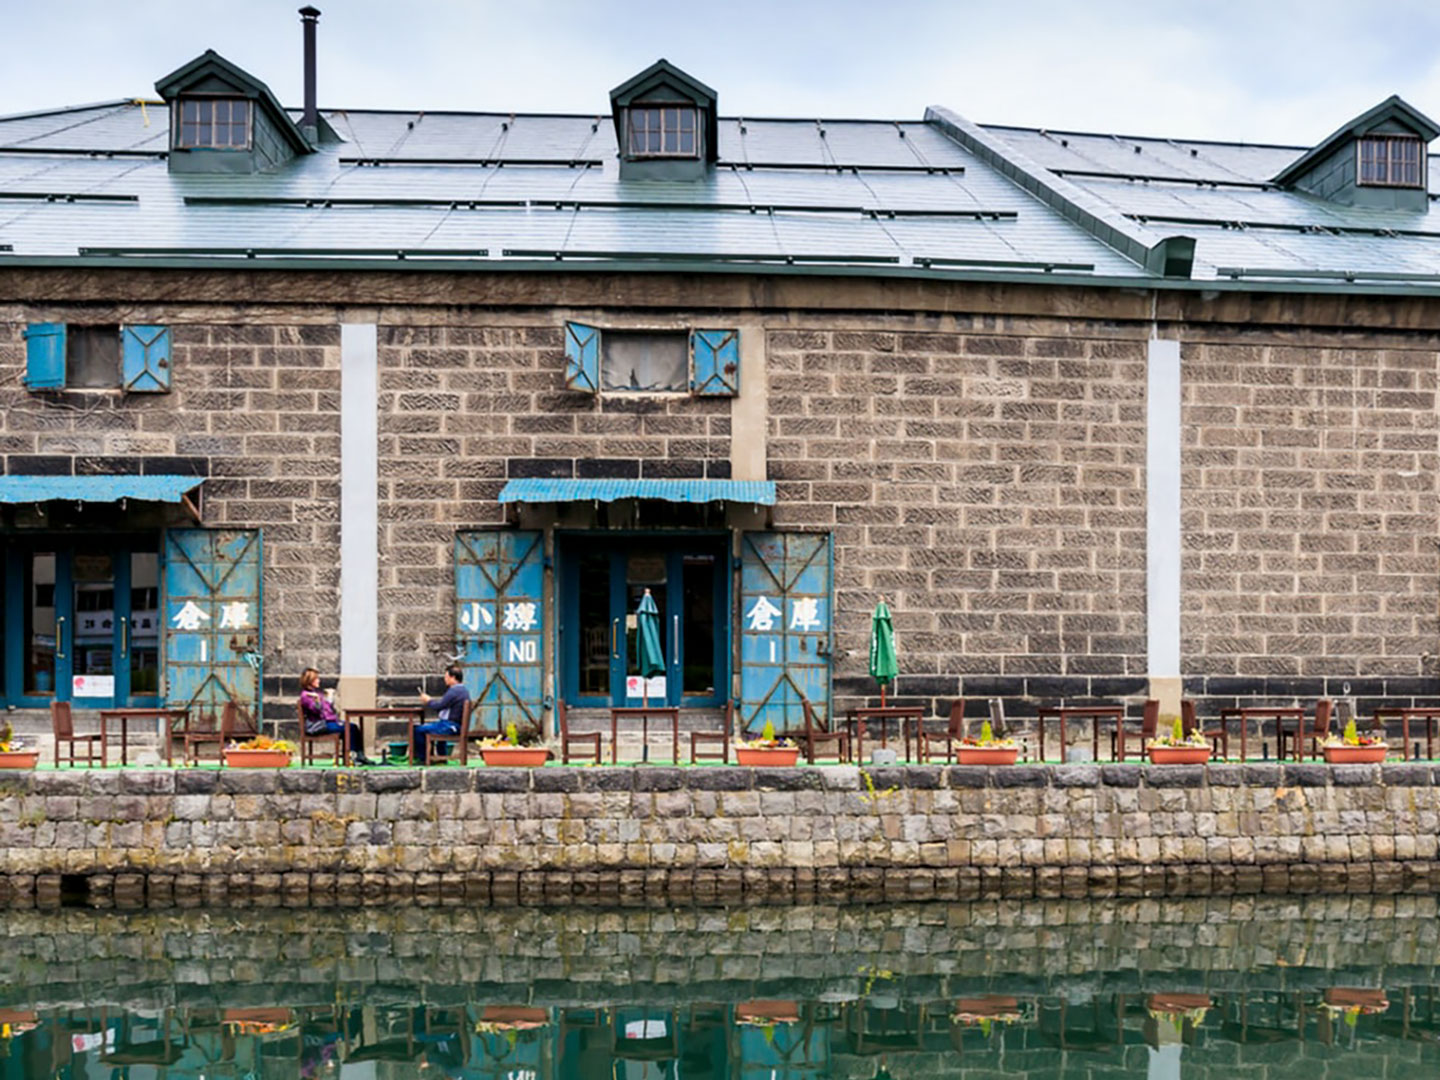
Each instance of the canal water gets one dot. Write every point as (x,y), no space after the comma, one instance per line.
(1264,988)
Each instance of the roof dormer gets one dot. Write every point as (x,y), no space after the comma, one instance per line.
(224,120)
(1378,160)
(665,125)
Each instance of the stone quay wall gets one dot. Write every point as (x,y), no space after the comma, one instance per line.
(714,835)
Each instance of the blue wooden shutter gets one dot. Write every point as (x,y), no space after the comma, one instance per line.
(212,619)
(145,359)
(715,363)
(785,627)
(500,622)
(45,356)
(582,357)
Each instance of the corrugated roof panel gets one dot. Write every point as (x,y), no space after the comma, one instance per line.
(106,489)
(758,492)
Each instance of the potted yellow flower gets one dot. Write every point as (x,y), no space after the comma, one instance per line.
(1179,747)
(261,752)
(13,753)
(766,750)
(987,749)
(1352,748)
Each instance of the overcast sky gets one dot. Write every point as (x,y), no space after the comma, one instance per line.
(1282,71)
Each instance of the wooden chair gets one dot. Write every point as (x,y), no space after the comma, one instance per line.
(460,739)
(62,724)
(700,740)
(1318,729)
(587,741)
(816,734)
(951,737)
(231,729)
(1219,736)
(1149,728)
(339,740)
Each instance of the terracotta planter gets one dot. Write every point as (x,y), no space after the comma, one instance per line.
(1177,1003)
(514,755)
(768,755)
(987,755)
(778,1012)
(1367,1001)
(1355,755)
(1178,755)
(983,1008)
(257,759)
(19,759)
(518,1015)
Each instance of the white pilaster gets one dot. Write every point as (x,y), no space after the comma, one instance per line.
(1162,501)
(359,503)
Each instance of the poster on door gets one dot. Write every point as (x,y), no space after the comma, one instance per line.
(638,688)
(92,686)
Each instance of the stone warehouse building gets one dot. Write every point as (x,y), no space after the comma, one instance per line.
(368,390)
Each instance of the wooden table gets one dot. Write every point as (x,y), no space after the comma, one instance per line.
(1096,713)
(856,719)
(1278,713)
(161,714)
(1429,715)
(643,713)
(411,714)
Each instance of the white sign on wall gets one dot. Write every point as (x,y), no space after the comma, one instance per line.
(653,688)
(92,686)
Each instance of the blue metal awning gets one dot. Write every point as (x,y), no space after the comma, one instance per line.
(758,492)
(35,489)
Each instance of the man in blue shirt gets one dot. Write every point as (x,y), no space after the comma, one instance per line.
(449,710)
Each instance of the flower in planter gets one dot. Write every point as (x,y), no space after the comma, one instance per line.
(1178,737)
(515,736)
(988,739)
(1352,737)
(264,742)
(767,740)
(9,744)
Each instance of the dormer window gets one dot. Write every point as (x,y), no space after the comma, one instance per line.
(1391,161)
(215,123)
(663,131)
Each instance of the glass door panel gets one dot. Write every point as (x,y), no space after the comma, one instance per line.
(42,625)
(643,570)
(697,626)
(593,588)
(93,583)
(142,642)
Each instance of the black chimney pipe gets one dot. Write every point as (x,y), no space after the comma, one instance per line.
(310,120)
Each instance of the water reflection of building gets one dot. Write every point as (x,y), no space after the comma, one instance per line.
(1282,1033)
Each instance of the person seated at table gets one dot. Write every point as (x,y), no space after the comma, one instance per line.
(321,717)
(449,710)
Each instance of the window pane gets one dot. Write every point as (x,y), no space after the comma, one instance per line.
(144,638)
(644,361)
(93,577)
(670,141)
(40,624)
(687,119)
(92,357)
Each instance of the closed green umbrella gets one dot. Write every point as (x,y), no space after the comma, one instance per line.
(884,666)
(648,657)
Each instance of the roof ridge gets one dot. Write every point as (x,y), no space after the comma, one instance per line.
(1157,254)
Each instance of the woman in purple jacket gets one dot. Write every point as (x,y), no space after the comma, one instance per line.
(322,719)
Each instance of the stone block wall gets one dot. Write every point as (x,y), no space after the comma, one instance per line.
(717,834)
(987,478)
(1312,534)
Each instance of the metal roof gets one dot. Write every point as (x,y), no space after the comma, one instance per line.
(940,196)
(106,489)
(758,492)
